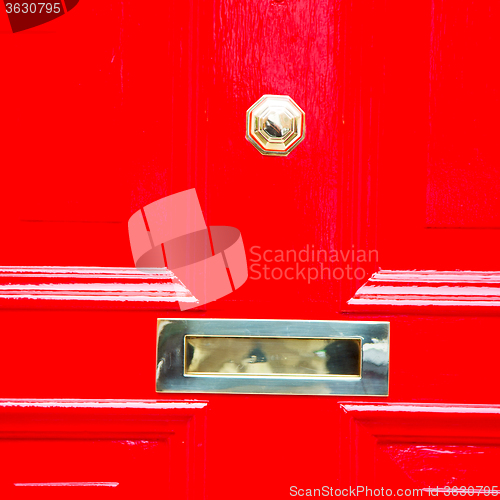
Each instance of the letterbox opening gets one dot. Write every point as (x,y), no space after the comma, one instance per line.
(271,356)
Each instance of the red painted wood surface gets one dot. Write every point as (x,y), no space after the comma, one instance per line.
(118,103)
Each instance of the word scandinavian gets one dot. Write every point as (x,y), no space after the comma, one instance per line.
(310,263)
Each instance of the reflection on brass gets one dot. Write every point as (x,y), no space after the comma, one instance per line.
(272,356)
(275,125)
(244,356)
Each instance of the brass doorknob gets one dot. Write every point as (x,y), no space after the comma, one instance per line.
(275,125)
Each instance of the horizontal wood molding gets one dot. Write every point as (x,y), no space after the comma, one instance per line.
(438,291)
(416,421)
(187,407)
(91,287)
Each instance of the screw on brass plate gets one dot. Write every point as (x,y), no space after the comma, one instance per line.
(275,125)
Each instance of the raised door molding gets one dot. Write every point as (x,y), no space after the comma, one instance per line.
(91,288)
(429,291)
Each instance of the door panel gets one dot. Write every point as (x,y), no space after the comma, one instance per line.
(434,448)
(106,449)
(438,164)
(462,176)
(88,130)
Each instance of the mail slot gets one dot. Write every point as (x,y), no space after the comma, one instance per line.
(214,355)
(273,357)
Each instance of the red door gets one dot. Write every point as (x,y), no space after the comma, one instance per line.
(116,104)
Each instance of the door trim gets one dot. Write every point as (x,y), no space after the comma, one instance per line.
(429,291)
(91,287)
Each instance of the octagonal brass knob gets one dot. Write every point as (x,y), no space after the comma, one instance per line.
(275,125)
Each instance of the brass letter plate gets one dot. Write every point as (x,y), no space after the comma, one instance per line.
(273,357)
